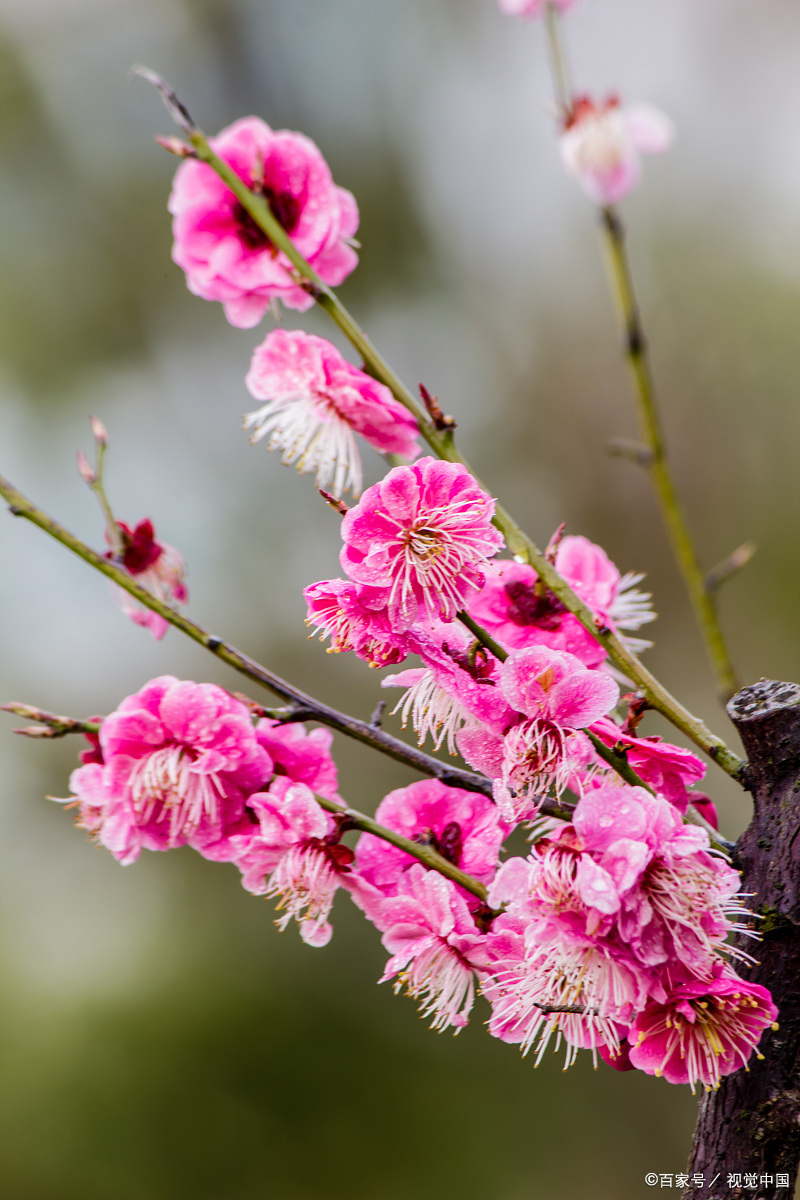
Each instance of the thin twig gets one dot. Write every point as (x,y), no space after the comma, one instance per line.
(311,708)
(655,457)
(442,443)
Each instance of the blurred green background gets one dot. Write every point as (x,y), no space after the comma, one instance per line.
(159,1038)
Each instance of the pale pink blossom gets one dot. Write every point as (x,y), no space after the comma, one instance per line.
(602,145)
(155,566)
(531,8)
(424,535)
(464,827)
(294,855)
(536,975)
(226,255)
(706,1028)
(671,900)
(179,761)
(436,947)
(347,615)
(316,403)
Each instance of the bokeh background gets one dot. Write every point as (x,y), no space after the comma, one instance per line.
(160,1039)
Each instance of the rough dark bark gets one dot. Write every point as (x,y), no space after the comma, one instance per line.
(751,1124)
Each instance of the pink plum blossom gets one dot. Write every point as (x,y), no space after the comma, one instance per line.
(613,598)
(517,613)
(602,144)
(226,255)
(555,696)
(423,534)
(456,686)
(294,855)
(316,403)
(464,827)
(531,8)
(435,946)
(706,1028)
(179,761)
(301,756)
(344,612)
(540,985)
(155,566)
(669,770)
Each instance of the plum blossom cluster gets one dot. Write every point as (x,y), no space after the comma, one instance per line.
(613,931)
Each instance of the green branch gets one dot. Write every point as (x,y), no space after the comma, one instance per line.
(443,444)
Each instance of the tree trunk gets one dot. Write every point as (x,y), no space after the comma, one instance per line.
(750,1126)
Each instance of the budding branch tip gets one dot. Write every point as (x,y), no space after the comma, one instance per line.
(175,108)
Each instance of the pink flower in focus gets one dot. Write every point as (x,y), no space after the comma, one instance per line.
(535,977)
(707,1028)
(179,761)
(673,899)
(300,756)
(155,566)
(316,402)
(464,827)
(531,8)
(225,254)
(556,696)
(342,611)
(602,144)
(294,855)
(435,946)
(457,686)
(423,534)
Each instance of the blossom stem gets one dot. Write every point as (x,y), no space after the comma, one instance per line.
(303,705)
(424,854)
(442,443)
(558,59)
(483,637)
(655,459)
(48,724)
(702,596)
(115,538)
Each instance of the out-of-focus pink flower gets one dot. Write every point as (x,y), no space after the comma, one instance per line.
(343,611)
(155,566)
(531,8)
(179,761)
(423,534)
(516,613)
(464,827)
(613,598)
(294,854)
(602,144)
(316,402)
(669,770)
(435,946)
(706,1028)
(225,254)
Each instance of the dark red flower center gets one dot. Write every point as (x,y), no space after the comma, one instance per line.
(284,207)
(527,607)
